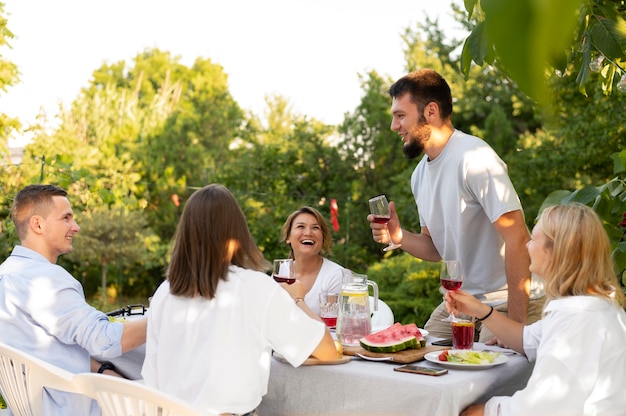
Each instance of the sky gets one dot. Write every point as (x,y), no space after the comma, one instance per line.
(308,51)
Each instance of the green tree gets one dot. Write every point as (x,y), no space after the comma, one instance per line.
(96,153)
(8,78)
(281,163)
(520,37)
(9,174)
(113,236)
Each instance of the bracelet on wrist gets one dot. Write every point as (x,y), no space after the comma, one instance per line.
(486,316)
(106,366)
(297,300)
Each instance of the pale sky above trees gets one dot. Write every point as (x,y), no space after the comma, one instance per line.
(308,51)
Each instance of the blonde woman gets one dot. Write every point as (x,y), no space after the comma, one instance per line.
(579,347)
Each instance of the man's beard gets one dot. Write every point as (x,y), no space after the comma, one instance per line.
(413,149)
(415,145)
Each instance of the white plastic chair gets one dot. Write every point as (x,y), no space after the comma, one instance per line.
(383,317)
(121,397)
(23,377)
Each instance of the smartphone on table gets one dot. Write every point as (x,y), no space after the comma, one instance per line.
(443,342)
(418,369)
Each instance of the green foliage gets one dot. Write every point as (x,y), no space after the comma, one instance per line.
(9,76)
(409,286)
(609,202)
(145,135)
(520,37)
(114,236)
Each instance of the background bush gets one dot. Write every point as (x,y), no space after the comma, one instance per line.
(409,286)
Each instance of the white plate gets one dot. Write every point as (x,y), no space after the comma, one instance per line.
(433,357)
(365,357)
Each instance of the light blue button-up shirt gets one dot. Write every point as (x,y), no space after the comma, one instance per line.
(43,312)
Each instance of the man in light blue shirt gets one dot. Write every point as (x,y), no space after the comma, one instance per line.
(42,307)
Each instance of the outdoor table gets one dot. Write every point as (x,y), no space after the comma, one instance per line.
(362,387)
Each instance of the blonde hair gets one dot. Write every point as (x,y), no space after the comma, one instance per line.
(581,261)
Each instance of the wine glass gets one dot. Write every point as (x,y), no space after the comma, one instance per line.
(284,271)
(451,277)
(379,208)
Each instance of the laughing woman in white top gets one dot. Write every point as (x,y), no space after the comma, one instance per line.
(579,347)
(213,324)
(308,235)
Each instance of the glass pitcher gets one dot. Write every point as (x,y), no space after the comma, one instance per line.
(354,319)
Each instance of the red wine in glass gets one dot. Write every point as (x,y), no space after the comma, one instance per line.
(379,208)
(451,278)
(283,279)
(284,271)
(330,321)
(451,284)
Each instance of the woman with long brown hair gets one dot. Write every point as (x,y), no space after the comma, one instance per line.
(212,325)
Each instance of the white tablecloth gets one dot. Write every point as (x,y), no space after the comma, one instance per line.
(374,388)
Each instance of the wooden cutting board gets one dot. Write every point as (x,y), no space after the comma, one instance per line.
(402,357)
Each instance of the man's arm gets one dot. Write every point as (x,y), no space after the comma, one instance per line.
(418,245)
(513,230)
(134,334)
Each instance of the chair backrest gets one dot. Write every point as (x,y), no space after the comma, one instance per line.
(23,377)
(383,317)
(121,397)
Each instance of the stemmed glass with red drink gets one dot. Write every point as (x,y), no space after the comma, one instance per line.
(379,208)
(451,277)
(284,271)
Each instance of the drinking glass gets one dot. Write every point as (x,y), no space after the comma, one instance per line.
(329,307)
(463,334)
(379,208)
(451,277)
(284,271)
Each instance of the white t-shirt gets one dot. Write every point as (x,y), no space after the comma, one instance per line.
(580,368)
(216,353)
(459,195)
(329,279)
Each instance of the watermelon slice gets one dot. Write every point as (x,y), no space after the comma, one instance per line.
(396,338)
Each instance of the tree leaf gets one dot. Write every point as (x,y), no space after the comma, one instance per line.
(609,36)
(469,6)
(619,161)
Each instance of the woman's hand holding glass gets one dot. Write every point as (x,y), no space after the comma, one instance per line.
(451,278)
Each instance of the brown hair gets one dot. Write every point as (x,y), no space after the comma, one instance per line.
(211,235)
(581,254)
(285,231)
(425,86)
(33,200)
